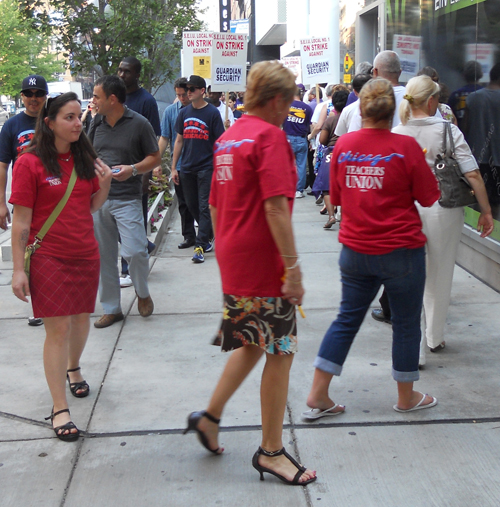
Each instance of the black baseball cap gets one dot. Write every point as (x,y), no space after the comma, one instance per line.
(197,82)
(35,82)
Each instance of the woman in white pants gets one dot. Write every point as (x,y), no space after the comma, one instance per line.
(442,226)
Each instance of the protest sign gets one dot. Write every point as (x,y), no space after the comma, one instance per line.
(293,63)
(197,54)
(319,60)
(229,62)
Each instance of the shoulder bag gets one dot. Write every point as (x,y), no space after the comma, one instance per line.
(31,249)
(455,189)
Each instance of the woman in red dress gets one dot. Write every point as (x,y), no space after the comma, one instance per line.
(251,200)
(64,271)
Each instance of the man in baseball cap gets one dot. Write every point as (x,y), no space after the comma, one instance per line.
(16,134)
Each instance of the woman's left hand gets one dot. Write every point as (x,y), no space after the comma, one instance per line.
(103,172)
(485,224)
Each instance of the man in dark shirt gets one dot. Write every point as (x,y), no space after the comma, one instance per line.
(198,126)
(168,135)
(457,101)
(16,134)
(126,142)
(142,102)
(297,128)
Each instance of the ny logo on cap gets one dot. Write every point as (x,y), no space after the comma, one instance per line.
(32,81)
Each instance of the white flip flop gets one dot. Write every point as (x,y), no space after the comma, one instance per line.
(419,405)
(317,413)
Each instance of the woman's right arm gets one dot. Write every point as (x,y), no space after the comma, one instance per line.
(21,224)
(485,223)
(280,223)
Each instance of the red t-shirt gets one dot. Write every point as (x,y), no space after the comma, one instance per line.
(376,176)
(72,234)
(253,162)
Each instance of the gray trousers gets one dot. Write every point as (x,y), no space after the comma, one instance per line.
(123,218)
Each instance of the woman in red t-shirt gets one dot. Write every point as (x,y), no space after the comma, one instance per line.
(64,273)
(376,176)
(251,199)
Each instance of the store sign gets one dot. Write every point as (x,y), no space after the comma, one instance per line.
(317,56)
(484,54)
(229,62)
(240,26)
(445,6)
(224,15)
(408,49)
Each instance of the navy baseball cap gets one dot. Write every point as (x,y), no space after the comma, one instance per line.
(35,82)
(197,82)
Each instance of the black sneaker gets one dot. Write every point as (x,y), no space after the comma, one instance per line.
(378,314)
(34,322)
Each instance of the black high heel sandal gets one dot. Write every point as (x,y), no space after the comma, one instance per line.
(59,430)
(193,420)
(78,386)
(282,451)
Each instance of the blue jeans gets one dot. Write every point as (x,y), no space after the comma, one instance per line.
(300,148)
(402,272)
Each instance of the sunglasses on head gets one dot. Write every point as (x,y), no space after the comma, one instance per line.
(50,98)
(192,88)
(38,93)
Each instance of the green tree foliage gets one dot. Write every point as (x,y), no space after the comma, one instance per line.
(98,34)
(23,50)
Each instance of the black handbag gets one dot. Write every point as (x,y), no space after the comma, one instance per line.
(456,190)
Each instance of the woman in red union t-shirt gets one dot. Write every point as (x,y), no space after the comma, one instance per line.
(251,199)
(64,272)
(376,176)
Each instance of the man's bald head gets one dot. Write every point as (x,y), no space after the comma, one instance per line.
(387,65)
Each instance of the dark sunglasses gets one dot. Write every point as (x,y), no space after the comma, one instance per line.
(38,93)
(192,88)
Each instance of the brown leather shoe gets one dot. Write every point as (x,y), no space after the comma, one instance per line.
(145,306)
(108,319)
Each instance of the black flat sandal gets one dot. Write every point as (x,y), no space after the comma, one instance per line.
(193,420)
(59,430)
(282,451)
(78,386)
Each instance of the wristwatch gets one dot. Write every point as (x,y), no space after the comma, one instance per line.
(134,169)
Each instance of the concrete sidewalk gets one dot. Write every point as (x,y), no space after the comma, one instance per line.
(146,375)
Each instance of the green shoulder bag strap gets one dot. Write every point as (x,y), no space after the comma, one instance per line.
(31,249)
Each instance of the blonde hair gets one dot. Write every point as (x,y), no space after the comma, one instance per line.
(377,100)
(265,81)
(418,91)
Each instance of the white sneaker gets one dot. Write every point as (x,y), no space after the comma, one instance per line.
(125,281)
(299,195)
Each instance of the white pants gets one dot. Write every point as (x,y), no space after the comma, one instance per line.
(443,228)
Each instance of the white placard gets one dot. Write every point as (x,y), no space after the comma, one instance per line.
(484,55)
(294,64)
(408,49)
(317,55)
(197,54)
(229,62)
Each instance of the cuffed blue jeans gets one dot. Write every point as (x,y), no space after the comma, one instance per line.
(402,272)
(300,148)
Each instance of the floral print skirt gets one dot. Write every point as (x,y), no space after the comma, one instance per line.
(269,323)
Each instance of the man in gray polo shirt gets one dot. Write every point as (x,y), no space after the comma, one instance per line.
(126,142)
